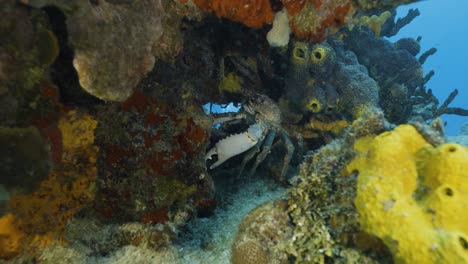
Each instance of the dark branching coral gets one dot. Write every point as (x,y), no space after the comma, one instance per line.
(409,44)
(391,27)
(386,64)
(399,76)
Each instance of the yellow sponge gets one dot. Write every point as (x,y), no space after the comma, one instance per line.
(413,196)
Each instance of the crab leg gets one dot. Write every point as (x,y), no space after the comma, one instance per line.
(265,150)
(289,152)
(235,144)
(227,118)
(247,157)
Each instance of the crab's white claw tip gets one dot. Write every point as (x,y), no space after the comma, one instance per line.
(210,153)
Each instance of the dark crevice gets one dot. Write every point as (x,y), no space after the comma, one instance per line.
(63,73)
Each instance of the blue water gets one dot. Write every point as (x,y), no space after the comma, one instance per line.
(443,24)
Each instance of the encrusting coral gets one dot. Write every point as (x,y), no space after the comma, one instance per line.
(108,67)
(413,195)
(38,219)
(321,202)
(317,19)
(152,164)
(24,159)
(374,22)
(252,13)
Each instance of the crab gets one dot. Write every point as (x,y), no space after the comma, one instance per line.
(260,135)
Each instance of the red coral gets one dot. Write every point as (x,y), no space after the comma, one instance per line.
(159,216)
(114,154)
(150,138)
(252,13)
(138,101)
(153,119)
(54,136)
(162,163)
(316,19)
(295,6)
(193,138)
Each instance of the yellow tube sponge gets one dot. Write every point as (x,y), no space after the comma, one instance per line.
(413,196)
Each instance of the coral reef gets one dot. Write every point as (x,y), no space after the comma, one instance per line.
(278,36)
(108,67)
(152,165)
(399,75)
(315,20)
(90,181)
(309,20)
(391,27)
(96,238)
(40,217)
(410,192)
(27,48)
(230,83)
(382,59)
(325,78)
(171,42)
(24,158)
(252,13)
(374,22)
(10,237)
(358,92)
(262,234)
(321,202)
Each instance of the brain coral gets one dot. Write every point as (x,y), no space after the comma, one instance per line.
(261,236)
(413,196)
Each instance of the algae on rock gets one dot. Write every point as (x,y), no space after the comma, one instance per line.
(113,43)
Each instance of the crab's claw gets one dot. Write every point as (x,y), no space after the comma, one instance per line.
(210,153)
(235,144)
